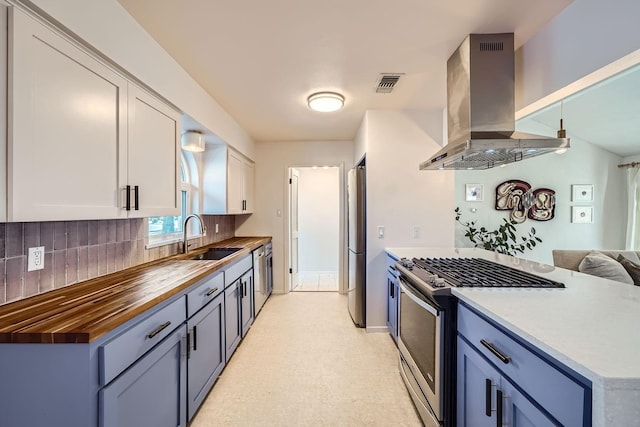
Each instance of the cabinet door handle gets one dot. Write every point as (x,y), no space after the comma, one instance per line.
(127,197)
(498,408)
(211,292)
(159,329)
(188,345)
(500,355)
(195,339)
(487,397)
(135,197)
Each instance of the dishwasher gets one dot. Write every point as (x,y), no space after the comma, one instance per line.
(260,279)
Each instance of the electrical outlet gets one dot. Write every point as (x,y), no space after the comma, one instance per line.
(380,232)
(36,258)
(216,228)
(416,232)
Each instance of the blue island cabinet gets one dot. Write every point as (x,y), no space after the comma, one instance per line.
(503,381)
(393,291)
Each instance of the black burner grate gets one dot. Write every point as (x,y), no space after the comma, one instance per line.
(478,272)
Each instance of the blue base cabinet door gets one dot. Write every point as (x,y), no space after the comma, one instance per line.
(232,318)
(475,389)
(393,289)
(485,396)
(152,392)
(246,297)
(207,354)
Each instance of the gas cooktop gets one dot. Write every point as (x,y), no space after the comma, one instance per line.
(470,272)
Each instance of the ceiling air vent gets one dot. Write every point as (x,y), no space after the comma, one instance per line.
(387,82)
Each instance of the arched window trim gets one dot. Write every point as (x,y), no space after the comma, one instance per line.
(155,224)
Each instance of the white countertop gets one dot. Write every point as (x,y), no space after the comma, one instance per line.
(592,326)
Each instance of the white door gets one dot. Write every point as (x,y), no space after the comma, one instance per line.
(293,221)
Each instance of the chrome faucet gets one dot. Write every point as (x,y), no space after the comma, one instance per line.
(203,229)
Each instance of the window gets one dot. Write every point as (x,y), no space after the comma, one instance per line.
(168,228)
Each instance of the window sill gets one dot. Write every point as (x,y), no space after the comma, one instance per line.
(157,241)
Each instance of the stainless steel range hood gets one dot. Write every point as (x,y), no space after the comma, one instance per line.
(481,109)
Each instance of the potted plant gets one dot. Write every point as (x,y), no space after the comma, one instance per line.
(503,240)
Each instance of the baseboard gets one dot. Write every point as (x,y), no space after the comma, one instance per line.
(377,329)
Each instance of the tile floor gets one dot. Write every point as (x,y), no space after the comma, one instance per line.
(303,363)
(317,281)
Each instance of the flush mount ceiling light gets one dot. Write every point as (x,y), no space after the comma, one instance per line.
(325,102)
(193,140)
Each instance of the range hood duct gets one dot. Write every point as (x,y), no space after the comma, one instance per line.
(481,109)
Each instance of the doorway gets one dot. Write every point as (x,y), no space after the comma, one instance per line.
(315,228)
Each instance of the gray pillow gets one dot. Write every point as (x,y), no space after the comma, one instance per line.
(632,268)
(598,264)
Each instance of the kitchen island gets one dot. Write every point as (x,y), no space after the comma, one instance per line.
(590,326)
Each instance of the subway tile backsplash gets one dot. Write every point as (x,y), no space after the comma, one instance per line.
(80,250)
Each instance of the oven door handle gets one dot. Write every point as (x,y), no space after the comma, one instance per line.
(415,298)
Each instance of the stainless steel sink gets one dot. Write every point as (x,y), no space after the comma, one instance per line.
(216,253)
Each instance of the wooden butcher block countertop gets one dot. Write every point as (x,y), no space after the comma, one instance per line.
(83,312)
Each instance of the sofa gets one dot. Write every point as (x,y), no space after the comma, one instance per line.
(619,265)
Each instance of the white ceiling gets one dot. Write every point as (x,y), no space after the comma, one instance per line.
(261,59)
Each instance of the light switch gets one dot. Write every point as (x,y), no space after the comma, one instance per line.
(380,232)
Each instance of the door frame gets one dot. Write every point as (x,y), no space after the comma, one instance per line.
(342,235)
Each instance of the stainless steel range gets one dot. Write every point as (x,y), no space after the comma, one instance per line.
(427,324)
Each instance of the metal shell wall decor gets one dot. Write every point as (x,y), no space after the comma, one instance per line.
(523,202)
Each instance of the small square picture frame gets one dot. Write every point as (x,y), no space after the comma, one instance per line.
(582,214)
(474,192)
(582,193)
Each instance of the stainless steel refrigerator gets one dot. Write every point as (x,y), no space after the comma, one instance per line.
(357,245)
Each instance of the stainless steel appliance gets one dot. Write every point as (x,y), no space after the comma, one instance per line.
(427,325)
(357,245)
(268,256)
(481,109)
(259,279)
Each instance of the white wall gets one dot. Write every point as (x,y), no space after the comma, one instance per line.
(399,195)
(583,163)
(585,36)
(271,186)
(318,218)
(107,26)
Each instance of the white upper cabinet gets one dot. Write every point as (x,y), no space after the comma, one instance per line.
(79,134)
(152,155)
(227,182)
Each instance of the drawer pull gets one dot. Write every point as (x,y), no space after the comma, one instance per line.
(159,329)
(500,355)
(211,292)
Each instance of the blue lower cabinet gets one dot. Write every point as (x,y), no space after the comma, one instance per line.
(484,396)
(207,351)
(393,290)
(151,392)
(233,331)
(474,375)
(246,301)
(502,380)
